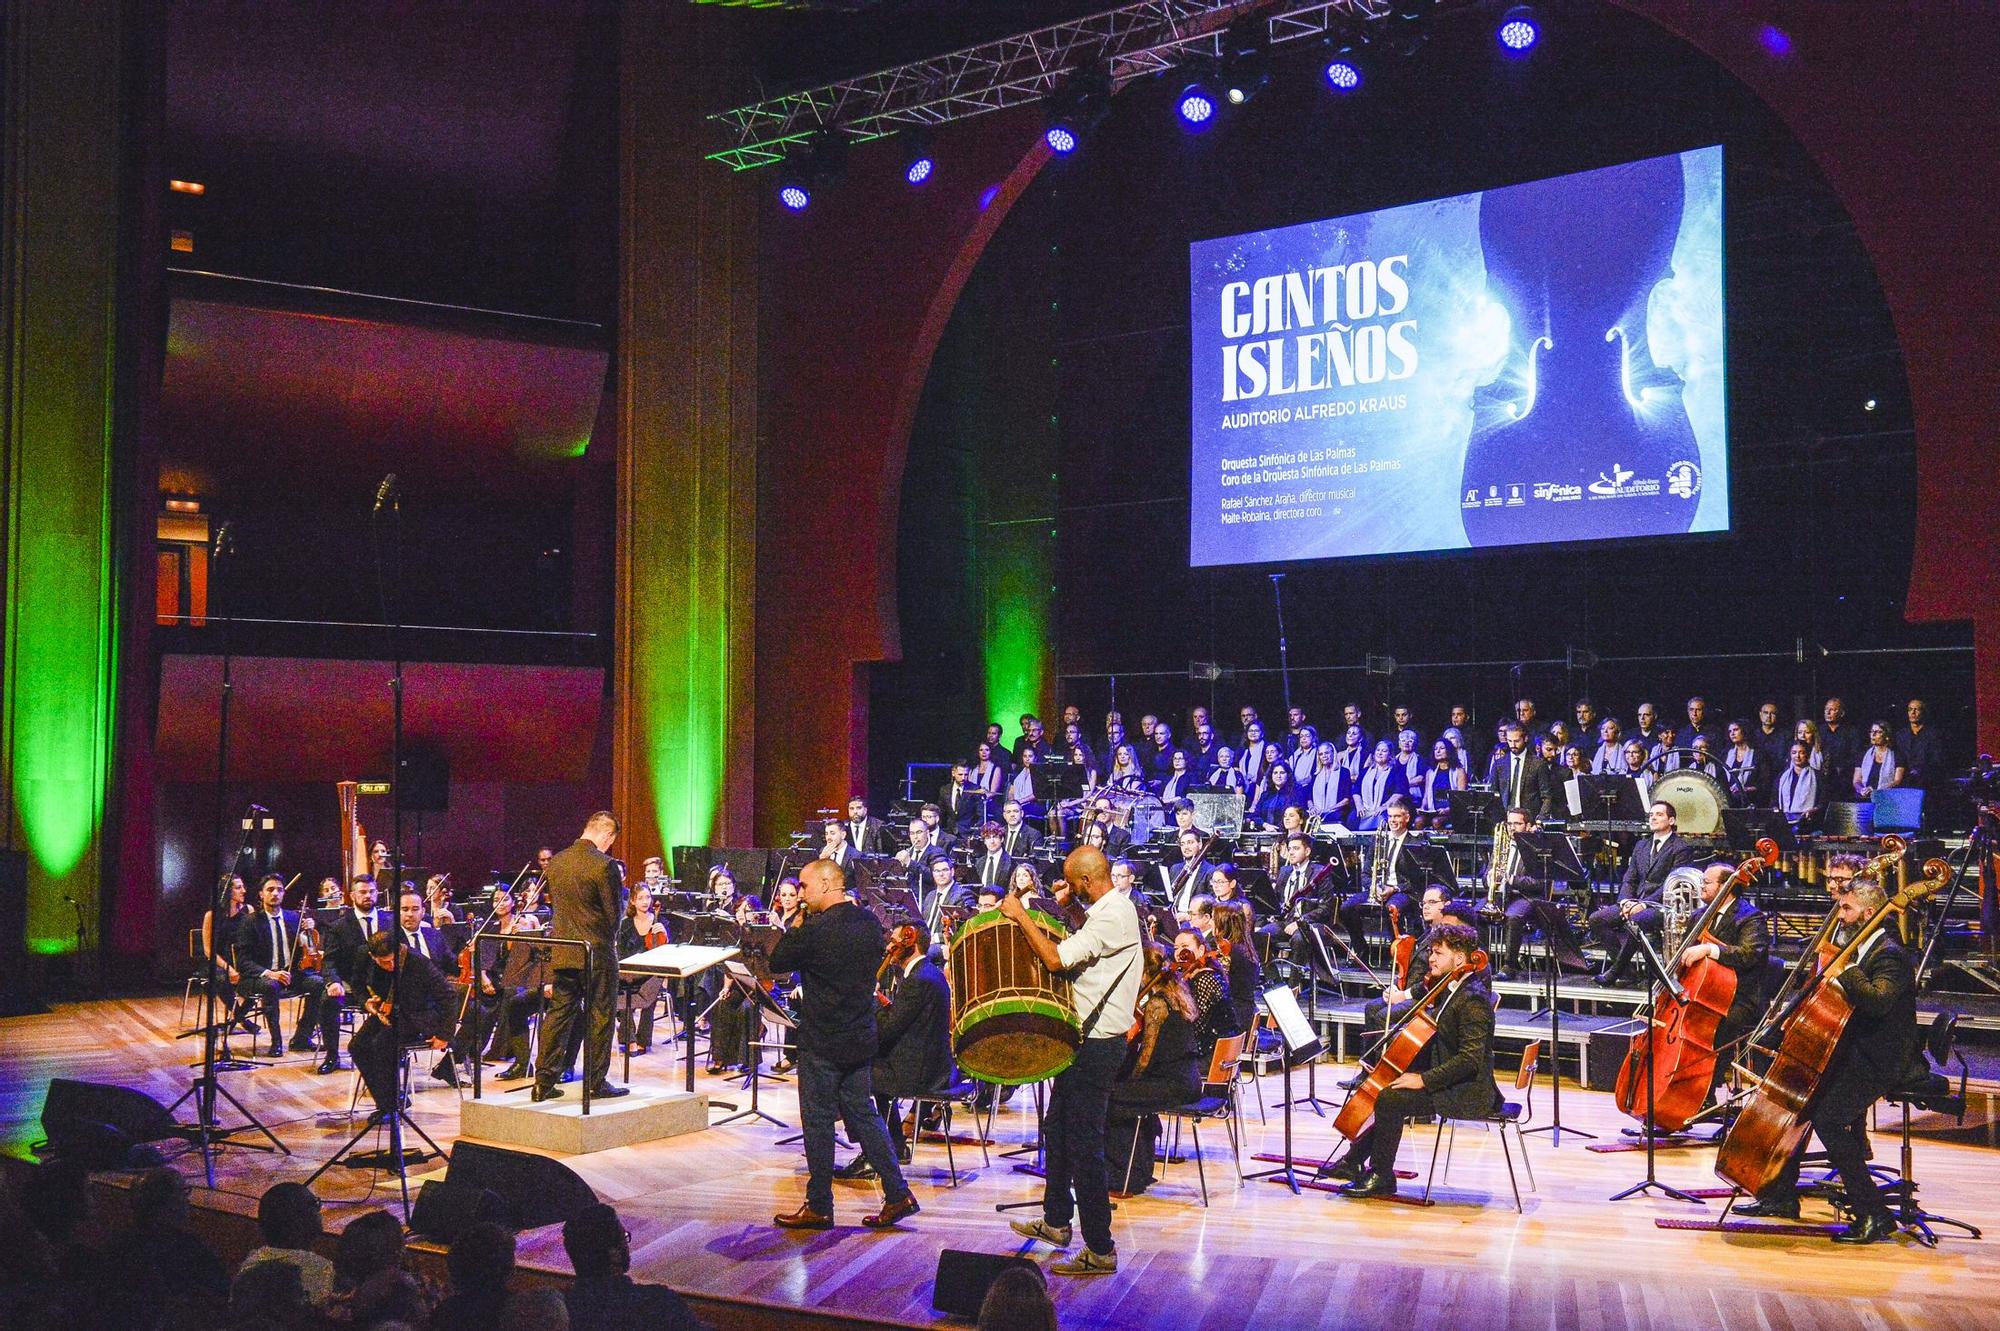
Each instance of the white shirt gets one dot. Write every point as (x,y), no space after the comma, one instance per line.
(1104,966)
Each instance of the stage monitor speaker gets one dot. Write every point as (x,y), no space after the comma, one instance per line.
(444,1208)
(1603,1057)
(964,1277)
(535,1189)
(99,1124)
(425,781)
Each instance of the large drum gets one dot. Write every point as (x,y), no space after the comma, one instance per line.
(1012,1021)
(1698,800)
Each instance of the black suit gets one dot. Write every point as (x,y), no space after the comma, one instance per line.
(1744,934)
(1840,753)
(914,1037)
(1533,788)
(347,961)
(1180,883)
(1457,1068)
(1877,1051)
(425,1008)
(1296,903)
(259,952)
(585,887)
(870,839)
(1404,895)
(990,870)
(1019,843)
(959,807)
(1645,876)
(1922,755)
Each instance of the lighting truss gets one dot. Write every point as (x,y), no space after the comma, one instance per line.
(1135,40)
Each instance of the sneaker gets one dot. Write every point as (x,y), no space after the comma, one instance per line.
(1056,1236)
(1085,1263)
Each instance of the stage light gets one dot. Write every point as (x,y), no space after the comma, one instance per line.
(1519,30)
(1343,75)
(1241,90)
(918,162)
(1196,107)
(1075,108)
(1245,65)
(794,196)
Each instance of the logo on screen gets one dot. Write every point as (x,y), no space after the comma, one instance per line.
(1610,482)
(1684,480)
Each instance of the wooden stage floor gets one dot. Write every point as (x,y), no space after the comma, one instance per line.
(700,1206)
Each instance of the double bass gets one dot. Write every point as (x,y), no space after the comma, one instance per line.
(1678,1049)
(1399,1052)
(1773,1120)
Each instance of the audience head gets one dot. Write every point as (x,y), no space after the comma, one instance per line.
(1018,1300)
(597,1243)
(481,1259)
(372,1243)
(288,1216)
(271,1293)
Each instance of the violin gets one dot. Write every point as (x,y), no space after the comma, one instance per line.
(902,946)
(1773,1119)
(1401,952)
(1677,1052)
(1400,1052)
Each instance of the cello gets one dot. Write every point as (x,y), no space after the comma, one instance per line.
(1678,1048)
(1399,1052)
(1773,1121)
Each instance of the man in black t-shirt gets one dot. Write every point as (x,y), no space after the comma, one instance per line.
(836,954)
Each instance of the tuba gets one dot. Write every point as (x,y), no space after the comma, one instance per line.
(1680,902)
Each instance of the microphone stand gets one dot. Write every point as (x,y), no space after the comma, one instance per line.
(1284,656)
(207,1086)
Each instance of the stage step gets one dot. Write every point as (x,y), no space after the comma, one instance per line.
(561,1126)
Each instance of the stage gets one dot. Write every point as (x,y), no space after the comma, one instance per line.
(699,1208)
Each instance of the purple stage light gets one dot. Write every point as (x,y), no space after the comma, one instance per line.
(1343,75)
(919,170)
(794,197)
(1196,108)
(1518,31)
(1061,140)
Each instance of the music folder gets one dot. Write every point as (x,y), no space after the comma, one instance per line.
(676,961)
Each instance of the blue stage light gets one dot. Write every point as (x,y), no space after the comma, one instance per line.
(1518,31)
(1061,140)
(919,170)
(1196,107)
(794,197)
(1343,75)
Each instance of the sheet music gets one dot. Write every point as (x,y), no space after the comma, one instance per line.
(676,960)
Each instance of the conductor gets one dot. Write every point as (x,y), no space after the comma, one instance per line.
(585,885)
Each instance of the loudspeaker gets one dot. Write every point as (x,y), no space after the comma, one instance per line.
(534,1189)
(99,1124)
(444,1208)
(1602,1059)
(424,783)
(964,1277)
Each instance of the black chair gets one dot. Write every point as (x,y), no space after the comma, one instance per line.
(961,1092)
(1930,1090)
(1219,1101)
(1508,1115)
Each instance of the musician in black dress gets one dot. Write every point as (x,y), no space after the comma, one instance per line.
(1452,1077)
(1166,1073)
(1742,942)
(1229,923)
(1876,1053)
(1654,856)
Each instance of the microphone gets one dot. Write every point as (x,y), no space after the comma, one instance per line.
(225,540)
(388,494)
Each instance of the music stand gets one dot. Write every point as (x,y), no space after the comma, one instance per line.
(682,962)
(739,980)
(1474,812)
(1301,1045)
(1435,861)
(1664,982)
(1744,828)
(1557,857)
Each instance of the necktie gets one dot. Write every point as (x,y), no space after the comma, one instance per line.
(280,944)
(1395,853)
(1519,764)
(417,941)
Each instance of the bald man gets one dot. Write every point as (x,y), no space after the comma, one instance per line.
(1104,961)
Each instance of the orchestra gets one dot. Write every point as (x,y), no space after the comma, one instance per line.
(1258,859)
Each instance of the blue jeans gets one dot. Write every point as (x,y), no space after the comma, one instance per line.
(828,1091)
(1073,1142)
